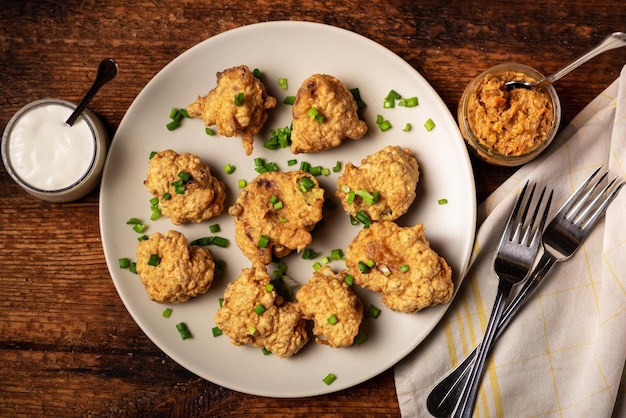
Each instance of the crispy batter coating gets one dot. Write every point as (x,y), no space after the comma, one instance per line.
(288,227)
(183,271)
(334,102)
(204,194)
(392,172)
(427,281)
(280,328)
(219,106)
(327,294)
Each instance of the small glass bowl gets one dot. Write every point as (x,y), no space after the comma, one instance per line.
(479,146)
(29,144)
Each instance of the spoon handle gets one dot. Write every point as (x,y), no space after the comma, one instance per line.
(614,40)
(107,70)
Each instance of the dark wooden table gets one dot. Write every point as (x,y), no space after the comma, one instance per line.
(67,344)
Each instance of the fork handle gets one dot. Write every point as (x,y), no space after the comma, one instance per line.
(444,396)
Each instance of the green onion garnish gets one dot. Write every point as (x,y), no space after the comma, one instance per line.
(314,114)
(167,312)
(216,331)
(201,242)
(306,184)
(133,221)
(357,98)
(263,241)
(229,168)
(184,176)
(332,320)
(363,267)
(364,218)
(124,263)
(407,127)
(140,228)
(242,183)
(289,100)
(282,83)
(408,102)
(265,351)
(292,162)
(259,309)
(215,228)
(429,125)
(239,99)
(183,330)
(221,242)
(337,167)
(361,338)
(404,268)
(336,254)
(167,196)
(442,201)
(209,131)
(373,312)
(309,254)
(330,378)
(349,279)
(154,260)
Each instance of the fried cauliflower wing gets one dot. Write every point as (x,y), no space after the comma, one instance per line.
(254,316)
(281,207)
(203,196)
(408,274)
(332,100)
(233,118)
(392,172)
(332,305)
(181,271)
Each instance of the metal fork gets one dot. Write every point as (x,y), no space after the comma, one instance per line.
(515,257)
(563,236)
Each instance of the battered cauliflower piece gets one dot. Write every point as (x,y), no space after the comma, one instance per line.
(203,196)
(254,315)
(392,173)
(181,271)
(335,309)
(334,103)
(221,105)
(280,208)
(391,250)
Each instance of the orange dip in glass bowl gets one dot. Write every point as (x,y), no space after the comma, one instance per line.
(508,128)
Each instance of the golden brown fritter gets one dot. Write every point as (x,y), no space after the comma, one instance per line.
(254,315)
(392,172)
(203,196)
(181,271)
(332,100)
(277,206)
(220,106)
(391,249)
(327,295)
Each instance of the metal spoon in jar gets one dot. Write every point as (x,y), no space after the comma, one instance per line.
(107,70)
(614,40)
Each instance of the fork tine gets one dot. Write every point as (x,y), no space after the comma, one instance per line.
(574,198)
(599,212)
(509,233)
(518,237)
(536,241)
(526,240)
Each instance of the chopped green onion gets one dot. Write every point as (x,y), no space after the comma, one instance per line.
(201,242)
(367,196)
(220,301)
(408,102)
(265,351)
(183,330)
(172,125)
(229,168)
(390,100)
(364,218)
(306,184)
(404,268)
(257,73)
(337,167)
(357,98)
(330,378)
(263,241)
(251,330)
(216,331)
(221,242)
(133,221)
(152,154)
(258,161)
(442,201)
(167,312)
(140,228)
(309,254)
(325,260)
(384,270)
(282,82)
(155,214)
(124,263)
(305,166)
(215,228)
(209,131)
(239,99)
(351,196)
(373,312)
(336,254)
(174,113)
(184,176)
(370,263)
(259,309)
(361,338)
(269,287)
(429,125)
(133,267)
(407,127)
(154,260)
(289,100)
(325,171)
(349,279)
(317,265)
(292,162)
(154,201)
(242,183)
(384,125)
(332,320)
(363,267)
(167,196)
(142,238)
(314,114)
(278,205)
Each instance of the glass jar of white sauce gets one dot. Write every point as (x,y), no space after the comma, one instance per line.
(50,159)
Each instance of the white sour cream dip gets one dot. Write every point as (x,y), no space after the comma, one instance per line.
(46,153)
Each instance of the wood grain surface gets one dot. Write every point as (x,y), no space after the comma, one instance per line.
(68,347)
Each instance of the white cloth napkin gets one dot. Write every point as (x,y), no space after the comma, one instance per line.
(564,353)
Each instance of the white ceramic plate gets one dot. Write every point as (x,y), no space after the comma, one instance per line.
(293,50)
